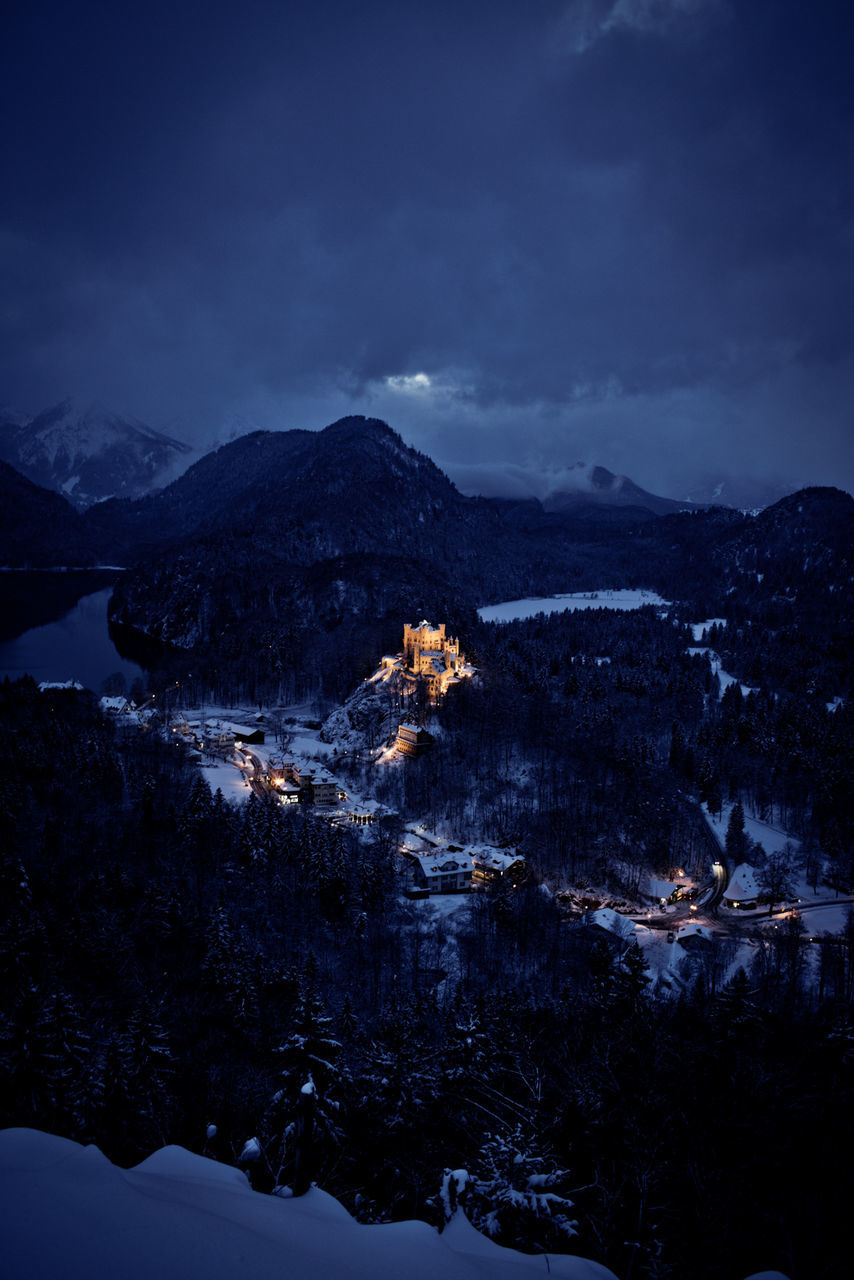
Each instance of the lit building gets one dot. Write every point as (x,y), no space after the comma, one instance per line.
(435,657)
(412,741)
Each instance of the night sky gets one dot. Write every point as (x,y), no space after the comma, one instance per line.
(522,233)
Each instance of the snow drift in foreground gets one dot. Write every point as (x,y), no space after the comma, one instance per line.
(68,1212)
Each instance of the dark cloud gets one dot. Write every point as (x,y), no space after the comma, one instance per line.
(618,231)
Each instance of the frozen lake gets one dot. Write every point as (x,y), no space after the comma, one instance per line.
(511,610)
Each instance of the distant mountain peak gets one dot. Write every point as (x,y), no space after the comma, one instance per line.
(89,452)
(588,485)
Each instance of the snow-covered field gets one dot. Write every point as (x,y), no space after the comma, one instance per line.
(827,918)
(512,610)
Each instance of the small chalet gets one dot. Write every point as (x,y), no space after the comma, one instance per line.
(742,892)
(116,706)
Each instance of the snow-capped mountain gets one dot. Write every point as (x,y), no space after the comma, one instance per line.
(90,453)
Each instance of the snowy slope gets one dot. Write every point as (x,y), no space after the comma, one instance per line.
(68,1212)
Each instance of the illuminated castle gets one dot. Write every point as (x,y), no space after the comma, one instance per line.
(429,653)
(432,656)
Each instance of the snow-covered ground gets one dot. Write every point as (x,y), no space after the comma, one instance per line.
(512,610)
(442,906)
(826,917)
(698,629)
(67,1211)
(300,743)
(723,676)
(772,838)
(229,778)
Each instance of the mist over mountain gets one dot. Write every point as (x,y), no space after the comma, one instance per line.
(599,487)
(89,453)
(587,483)
(747,493)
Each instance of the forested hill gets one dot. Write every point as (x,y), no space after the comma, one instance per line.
(354,486)
(40,528)
(293,538)
(295,554)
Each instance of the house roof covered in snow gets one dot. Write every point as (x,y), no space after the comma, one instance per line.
(692,933)
(115,704)
(661,888)
(611,920)
(444,865)
(742,886)
(486,855)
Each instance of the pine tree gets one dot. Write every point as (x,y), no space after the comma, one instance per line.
(149,1070)
(736,843)
(516,1194)
(45,1054)
(302,1125)
(735,1014)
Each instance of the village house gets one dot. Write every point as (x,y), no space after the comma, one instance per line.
(438,867)
(324,789)
(609,926)
(490,865)
(297,784)
(742,892)
(696,939)
(442,872)
(412,740)
(116,705)
(218,738)
(361,817)
(249,737)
